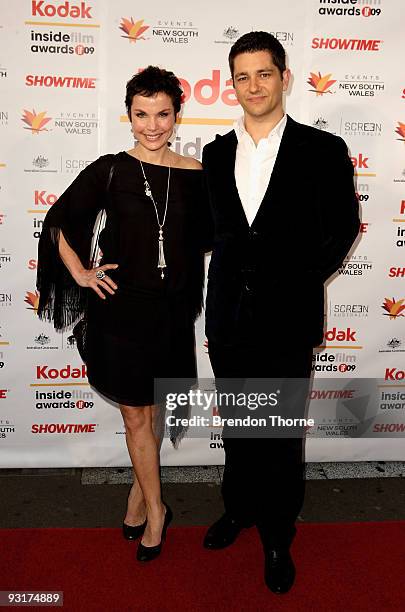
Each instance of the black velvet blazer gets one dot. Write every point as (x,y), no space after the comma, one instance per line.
(266,281)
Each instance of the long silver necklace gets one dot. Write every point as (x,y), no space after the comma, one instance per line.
(148,192)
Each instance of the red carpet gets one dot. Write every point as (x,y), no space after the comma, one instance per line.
(341,567)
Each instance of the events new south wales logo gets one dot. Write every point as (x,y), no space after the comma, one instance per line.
(32,299)
(320,83)
(352,85)
(133,30)
(394,308)
(36,122)
(401,131)
(168,31)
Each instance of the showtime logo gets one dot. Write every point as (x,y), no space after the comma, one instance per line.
(340,335)
(396,272)
(3,393)
(63,428)
(47,373)
(42,198)
(346,44)
(59,81)
(394,374)
(321,394)
(67,9)
(389,427)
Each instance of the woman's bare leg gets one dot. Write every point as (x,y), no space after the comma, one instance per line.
(144,452)
(136,510)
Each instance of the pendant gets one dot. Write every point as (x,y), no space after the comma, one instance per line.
(148,192)
(161,261)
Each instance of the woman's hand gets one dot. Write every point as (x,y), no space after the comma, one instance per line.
(97,279)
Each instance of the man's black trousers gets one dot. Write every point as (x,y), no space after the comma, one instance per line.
(263,480)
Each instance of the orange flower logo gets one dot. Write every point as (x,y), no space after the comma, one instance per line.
(393,308)
(33,300)
(35,122)
(320,83)
(401,131)
(133,30)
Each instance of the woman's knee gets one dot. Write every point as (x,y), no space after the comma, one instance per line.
(136,419)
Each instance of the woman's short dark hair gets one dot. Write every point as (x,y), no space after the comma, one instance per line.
(151,81)
(258,41)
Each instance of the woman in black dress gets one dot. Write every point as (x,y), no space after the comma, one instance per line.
(142,300)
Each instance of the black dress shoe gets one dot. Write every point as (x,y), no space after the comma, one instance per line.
(279,570)
(224,532)
(131,532)
(148,553)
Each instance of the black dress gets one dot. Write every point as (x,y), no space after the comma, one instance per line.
(146,330)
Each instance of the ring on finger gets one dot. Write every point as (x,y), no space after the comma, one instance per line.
(100,274)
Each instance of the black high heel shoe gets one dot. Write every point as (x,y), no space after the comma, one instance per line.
(131,532)
(148,553)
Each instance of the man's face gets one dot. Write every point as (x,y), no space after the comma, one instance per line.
(258,84)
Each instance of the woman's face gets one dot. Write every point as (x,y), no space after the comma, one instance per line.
(152,120)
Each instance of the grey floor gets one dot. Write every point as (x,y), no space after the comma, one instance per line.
(96,497)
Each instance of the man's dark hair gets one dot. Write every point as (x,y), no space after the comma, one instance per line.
(258,41)
(151,81)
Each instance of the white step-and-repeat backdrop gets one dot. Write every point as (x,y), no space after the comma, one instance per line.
(63,70)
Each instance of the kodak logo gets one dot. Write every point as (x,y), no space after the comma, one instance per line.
(394,374)
(340,335)
(44,371)
(81,11)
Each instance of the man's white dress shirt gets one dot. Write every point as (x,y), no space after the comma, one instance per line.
(254,165)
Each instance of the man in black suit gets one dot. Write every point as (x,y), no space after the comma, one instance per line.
(285,215)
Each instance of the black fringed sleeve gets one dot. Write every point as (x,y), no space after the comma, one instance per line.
(61,300)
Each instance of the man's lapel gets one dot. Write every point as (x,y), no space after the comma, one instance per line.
(230,190)
(290,142)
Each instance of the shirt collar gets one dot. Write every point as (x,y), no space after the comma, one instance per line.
(241,133)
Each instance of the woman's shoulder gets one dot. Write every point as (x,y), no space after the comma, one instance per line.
(101,164)
(100,168)
(187,163)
